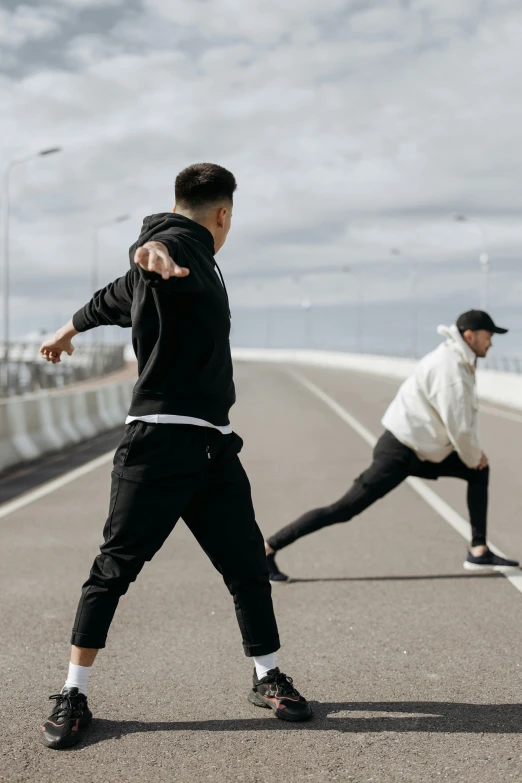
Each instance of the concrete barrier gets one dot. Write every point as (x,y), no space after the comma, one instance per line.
(35,424)
(499,388)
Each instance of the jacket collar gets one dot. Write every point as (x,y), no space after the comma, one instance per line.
(456,342)
(196,230)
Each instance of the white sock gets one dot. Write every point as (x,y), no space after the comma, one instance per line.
(78,677)
(264,663)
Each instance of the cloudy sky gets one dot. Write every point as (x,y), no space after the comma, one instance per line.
(352,127)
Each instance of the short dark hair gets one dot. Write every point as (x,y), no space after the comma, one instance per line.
(204,183)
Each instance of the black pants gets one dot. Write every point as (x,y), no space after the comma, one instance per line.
(161,473)
(392,464)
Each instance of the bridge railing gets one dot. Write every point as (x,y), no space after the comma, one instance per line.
(504,363)
(28,372)
(511,364)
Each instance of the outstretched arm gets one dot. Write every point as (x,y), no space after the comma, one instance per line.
(110,305)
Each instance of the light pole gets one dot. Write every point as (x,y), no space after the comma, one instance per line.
(95,260)
(95,248)
(5,247)
(396,251)
(360,296)
(483,257)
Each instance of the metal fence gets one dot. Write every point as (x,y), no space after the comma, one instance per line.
(511,364)
(28,372)
(504,363)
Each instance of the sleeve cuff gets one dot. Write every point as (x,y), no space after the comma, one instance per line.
(80,322)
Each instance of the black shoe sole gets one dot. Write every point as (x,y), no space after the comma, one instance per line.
(66,742)
(255,698)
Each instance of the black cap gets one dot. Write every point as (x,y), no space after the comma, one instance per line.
(478,319)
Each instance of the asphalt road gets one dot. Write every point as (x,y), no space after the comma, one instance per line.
(413,665)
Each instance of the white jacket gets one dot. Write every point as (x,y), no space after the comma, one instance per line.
(435,411)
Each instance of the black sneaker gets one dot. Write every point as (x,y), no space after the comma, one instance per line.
(488,562)
(64,726)
(276,692)
(274,574)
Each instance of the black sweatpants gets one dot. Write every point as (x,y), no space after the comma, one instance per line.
(163,472)
(392,464)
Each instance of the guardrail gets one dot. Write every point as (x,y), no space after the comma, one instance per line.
(28,372)
(504,363)
(36,424)
(509,364)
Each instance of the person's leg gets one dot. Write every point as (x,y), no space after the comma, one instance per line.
(141,518)
(477,496)
(389,469)
(145,504)
(478,499)
(157,469)
(479,556)
(222,519)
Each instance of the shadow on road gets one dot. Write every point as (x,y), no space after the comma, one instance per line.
(409,716)
(400,578)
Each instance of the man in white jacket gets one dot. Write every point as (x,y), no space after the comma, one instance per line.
(431,431)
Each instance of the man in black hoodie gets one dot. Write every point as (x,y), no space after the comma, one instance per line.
(179,456)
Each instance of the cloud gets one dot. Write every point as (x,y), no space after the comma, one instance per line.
(258,21)
(352,128)
(86,4)
(26,23)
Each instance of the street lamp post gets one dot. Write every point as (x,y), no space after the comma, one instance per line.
(5,248)
(96,257)
(413,295)
(485,267)
(95,247)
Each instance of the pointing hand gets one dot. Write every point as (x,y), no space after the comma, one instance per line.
(154,257)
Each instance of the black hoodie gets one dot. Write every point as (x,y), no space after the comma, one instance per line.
(180,326)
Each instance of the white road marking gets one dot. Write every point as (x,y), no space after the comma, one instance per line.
(51,486)
(443,509)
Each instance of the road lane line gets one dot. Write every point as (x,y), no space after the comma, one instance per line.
(443,509)
(51,486)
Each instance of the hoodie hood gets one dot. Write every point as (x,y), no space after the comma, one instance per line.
(177,225)
(456,342)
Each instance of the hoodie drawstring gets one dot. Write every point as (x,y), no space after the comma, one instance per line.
(224,286)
